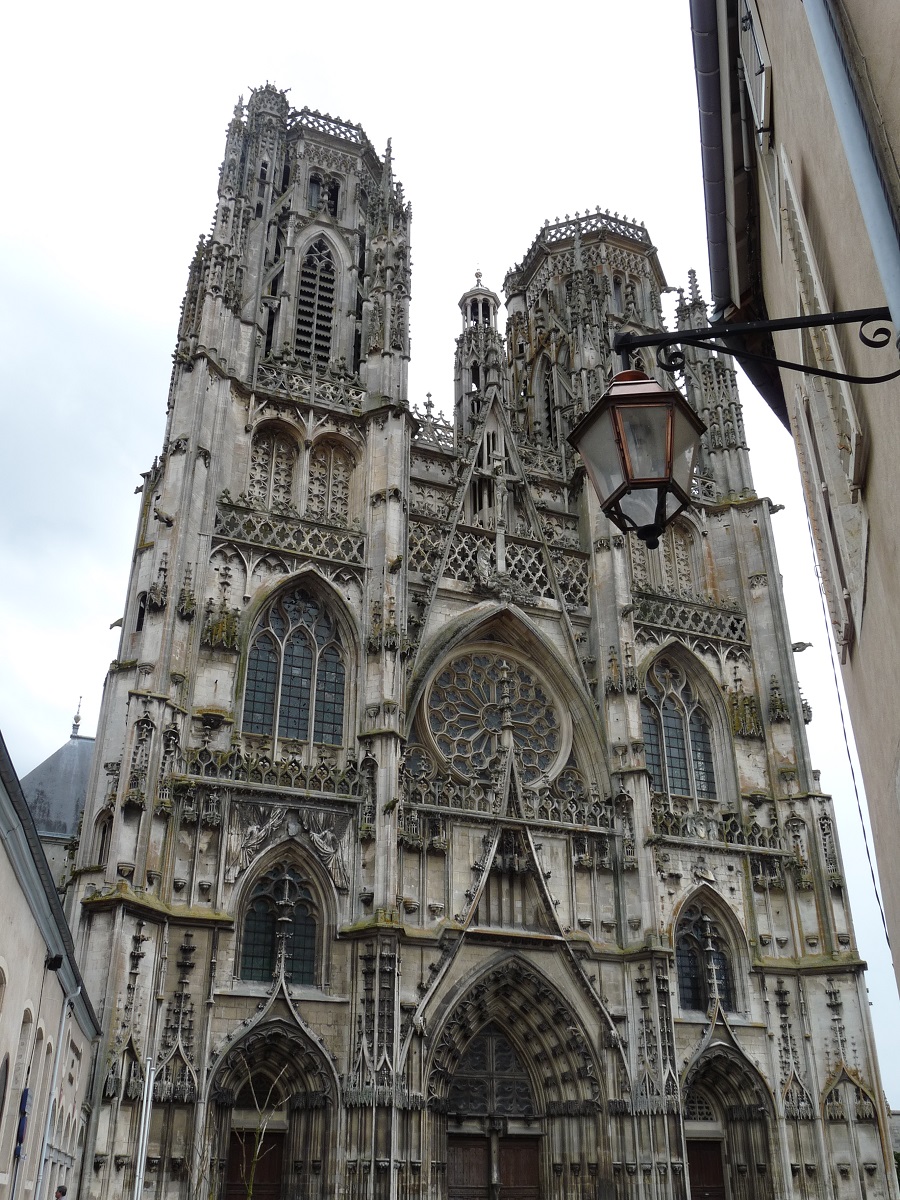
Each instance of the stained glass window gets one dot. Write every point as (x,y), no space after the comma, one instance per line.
(295,665)
(652,747)
(701,751)
(472,698)
(691,992)
(703,962)
(491,1080)
(280,907)
(677,740)
(676,750)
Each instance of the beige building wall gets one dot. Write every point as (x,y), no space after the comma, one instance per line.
(47,1025)
(799,243)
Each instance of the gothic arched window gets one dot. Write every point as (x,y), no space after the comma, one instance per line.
(330,468)
(703,962)
(102,835)
(272,456)
(295,673)
(677,740)
(280,911)
(315,304)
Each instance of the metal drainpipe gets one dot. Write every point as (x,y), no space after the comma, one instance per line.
(144,1129)
(57,1059)
(867,179)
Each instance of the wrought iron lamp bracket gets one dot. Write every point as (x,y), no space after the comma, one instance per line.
(670,355)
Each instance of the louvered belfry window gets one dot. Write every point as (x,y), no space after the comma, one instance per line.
(315,304)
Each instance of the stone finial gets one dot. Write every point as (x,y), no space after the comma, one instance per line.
(694,286)
(76,720)
(478,277)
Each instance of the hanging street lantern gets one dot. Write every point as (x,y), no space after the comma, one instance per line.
(639,444)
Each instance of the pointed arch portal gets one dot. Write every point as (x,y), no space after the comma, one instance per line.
(727,1114)
(271,1116)
(512,1080)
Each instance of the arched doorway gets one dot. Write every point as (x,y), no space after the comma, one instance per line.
(514,1093)
(259,1121)
(493,1152)
(272,1103)
(727,1119)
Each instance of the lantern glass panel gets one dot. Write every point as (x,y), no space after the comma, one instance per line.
(685,444)
(639,506)
(600,452)
(645,429)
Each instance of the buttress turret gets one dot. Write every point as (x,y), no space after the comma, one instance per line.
(480,356)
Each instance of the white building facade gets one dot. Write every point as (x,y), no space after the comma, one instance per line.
(48,1028)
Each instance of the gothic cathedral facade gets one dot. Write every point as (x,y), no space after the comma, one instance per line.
(443,842)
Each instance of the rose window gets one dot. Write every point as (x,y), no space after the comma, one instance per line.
(466,714)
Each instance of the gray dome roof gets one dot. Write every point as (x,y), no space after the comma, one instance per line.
(56,788)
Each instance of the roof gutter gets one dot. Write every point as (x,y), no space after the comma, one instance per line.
(705,34)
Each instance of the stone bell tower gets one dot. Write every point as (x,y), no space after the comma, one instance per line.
(261,640)
(443,842)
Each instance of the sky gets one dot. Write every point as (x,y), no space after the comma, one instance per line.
(500,116)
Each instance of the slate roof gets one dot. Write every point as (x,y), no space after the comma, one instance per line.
(56,788)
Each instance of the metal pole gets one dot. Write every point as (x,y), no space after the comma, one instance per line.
(144,1131)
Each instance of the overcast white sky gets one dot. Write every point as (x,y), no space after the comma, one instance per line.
(501,115)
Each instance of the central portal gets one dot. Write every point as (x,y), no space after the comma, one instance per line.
(493,1168)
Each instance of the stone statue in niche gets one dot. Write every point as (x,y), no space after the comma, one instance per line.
(252,827)
(325,833)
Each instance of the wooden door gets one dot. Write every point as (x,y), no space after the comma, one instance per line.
(269,1155)
(468,1168)
(706,1170)
(519,1169)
